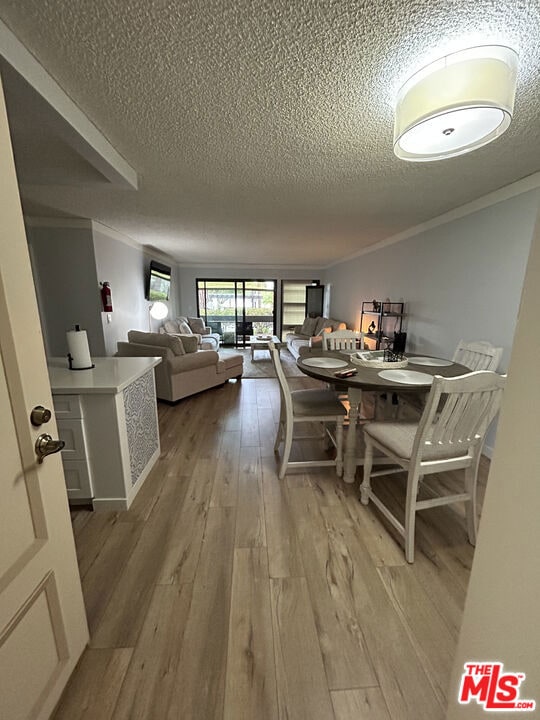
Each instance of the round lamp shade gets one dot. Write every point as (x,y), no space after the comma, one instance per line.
(159,310)
(456,104)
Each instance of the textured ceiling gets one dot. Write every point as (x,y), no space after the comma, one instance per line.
(262,130)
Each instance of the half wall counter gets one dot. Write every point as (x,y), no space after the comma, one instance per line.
(107,417)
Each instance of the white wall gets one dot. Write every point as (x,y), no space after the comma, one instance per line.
(500,621)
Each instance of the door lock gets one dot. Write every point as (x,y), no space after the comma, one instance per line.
(45,445)
(40,415)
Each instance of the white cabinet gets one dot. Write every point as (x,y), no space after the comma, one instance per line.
(107,418)
(69,418)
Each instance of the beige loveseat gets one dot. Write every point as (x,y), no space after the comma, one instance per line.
(184,370)
(310,332)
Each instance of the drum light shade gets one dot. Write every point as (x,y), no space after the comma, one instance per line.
(456,104)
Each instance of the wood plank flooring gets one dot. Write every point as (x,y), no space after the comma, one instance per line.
(227,594)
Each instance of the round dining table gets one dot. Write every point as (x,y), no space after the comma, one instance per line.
(369,379)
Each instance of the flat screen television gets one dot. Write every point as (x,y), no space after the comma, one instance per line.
(158,283)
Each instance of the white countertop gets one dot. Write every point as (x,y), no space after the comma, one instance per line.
(110,375)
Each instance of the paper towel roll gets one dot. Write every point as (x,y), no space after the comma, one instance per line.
(78,349)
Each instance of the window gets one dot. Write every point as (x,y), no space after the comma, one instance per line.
(237,309)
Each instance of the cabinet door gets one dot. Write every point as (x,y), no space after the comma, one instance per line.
(72,433)
(78,480)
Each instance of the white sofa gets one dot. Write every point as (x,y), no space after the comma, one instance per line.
(183,325)
(309,334)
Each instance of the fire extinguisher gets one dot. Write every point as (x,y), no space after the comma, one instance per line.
(106,297)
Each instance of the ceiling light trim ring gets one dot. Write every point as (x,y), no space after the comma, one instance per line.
(486,139)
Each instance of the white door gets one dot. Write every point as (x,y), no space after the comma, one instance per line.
(43,627)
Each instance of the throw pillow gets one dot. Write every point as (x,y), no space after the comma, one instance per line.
(326,327)
(197,325)
(184,329)
(308,326)
(171,326)
(190,343)
(321,323)
(176,345)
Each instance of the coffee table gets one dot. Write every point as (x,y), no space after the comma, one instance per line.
(261,343)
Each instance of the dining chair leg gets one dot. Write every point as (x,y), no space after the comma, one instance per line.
(286,450)
(365,487)
(413,480)
(279,436)
(339,448)
(471,474)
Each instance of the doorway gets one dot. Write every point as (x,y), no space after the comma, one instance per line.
(237,309)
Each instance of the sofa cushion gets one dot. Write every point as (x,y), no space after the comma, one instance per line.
(126,349)
(197,325)
(192,361)
(160,339)
(229,361)
(308,326)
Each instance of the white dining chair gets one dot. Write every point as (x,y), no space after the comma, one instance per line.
(478,355)
(306,406)
(343,340)
(449,436)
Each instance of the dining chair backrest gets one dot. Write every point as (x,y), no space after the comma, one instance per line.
(457,414)
(478,355)
(343,340)
(284,389)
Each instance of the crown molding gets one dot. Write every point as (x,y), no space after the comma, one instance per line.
(36,221)
(252,266)
(526,184)
(115,234)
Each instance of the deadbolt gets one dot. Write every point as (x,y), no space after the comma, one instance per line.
(40,415)
(45,445)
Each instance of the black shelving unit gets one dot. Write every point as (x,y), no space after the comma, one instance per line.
(380,320)
(314,300)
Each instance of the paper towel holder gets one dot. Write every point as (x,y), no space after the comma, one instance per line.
(70,361)
(70,358)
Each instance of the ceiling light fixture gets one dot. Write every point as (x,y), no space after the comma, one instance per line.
(456,104)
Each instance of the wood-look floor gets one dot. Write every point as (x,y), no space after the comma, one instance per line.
(224,593)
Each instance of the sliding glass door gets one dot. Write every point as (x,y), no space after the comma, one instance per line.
(237,309)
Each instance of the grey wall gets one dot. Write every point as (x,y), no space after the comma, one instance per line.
(68,264)
(123,266)
(66,286)
(458,280)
